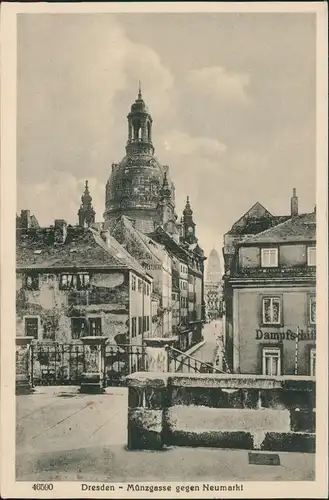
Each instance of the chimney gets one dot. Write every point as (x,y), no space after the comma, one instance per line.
(60,231)
(25,219)
(294,203)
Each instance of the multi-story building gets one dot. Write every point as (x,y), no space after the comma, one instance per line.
(213,286)
(156,261)
(140,196)
(270,283)
(75,281)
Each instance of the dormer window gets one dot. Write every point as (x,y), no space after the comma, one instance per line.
(311,256)
(269,257)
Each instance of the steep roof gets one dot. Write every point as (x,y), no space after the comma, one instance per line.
(124,230)
(298,228)
(256,220)
(83,248)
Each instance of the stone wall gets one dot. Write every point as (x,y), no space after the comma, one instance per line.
(225,411)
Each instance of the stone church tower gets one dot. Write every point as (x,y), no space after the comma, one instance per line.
(139,186)
(86,212)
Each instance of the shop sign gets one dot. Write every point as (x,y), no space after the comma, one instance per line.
(310,334)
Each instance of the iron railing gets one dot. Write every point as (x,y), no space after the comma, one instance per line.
(64,363)
(179,361)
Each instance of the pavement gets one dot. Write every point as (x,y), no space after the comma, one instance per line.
(207,350)
(63,435)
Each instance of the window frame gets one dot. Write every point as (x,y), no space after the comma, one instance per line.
(133,283)
(37,318)
(95,318)
(278,297)
(133,327)
(266,351)
(79,286)
(35,277)
(311,297)
(312,361)
(85,326)
(269,249)
(311,249)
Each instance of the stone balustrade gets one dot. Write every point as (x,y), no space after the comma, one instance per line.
(227,411)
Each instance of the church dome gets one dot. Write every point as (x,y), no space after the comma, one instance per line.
(135,185)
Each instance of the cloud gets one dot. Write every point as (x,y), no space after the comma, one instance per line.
(181,143)
(71,92)
(58,197)
(220,83)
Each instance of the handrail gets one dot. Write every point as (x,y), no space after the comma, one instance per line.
(195,359)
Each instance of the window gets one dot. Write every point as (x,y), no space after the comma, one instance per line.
(269,257)
(133,282)
(312,362)
(312,310)
(81,327)
(95,327)
(32,281)
(271,310)
(31,326)
(78,328)
(148,290)
(311,256)
(140,285)
(271,361)
(140,325)
(133,327)
(79,281)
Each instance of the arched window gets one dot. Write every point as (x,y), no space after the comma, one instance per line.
(149,131)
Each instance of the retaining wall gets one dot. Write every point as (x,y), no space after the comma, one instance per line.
(225,411)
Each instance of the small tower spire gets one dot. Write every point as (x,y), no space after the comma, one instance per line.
(139,90)
(86,212)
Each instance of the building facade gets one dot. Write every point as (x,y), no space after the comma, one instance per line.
(213,286)
(73,282)
(269,290)
(140,214)
(156,261)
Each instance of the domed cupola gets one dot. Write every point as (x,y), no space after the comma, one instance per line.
(139,127)
(136,183)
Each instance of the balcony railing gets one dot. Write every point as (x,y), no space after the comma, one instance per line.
(274,272)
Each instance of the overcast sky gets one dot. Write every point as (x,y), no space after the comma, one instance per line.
(232,99)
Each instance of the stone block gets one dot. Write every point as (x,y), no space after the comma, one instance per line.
(147,397)
(263,458)
(23,385)
(302,442)
(302,420)
(196,418)
(91,383)
(212,439)
(145,429)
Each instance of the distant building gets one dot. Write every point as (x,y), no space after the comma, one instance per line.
(269,292)
(213,286)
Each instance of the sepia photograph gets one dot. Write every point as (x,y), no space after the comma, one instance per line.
(167,181)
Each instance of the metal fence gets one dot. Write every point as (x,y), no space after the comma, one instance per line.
(64,363)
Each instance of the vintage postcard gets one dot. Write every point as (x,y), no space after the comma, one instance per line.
(164,327)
